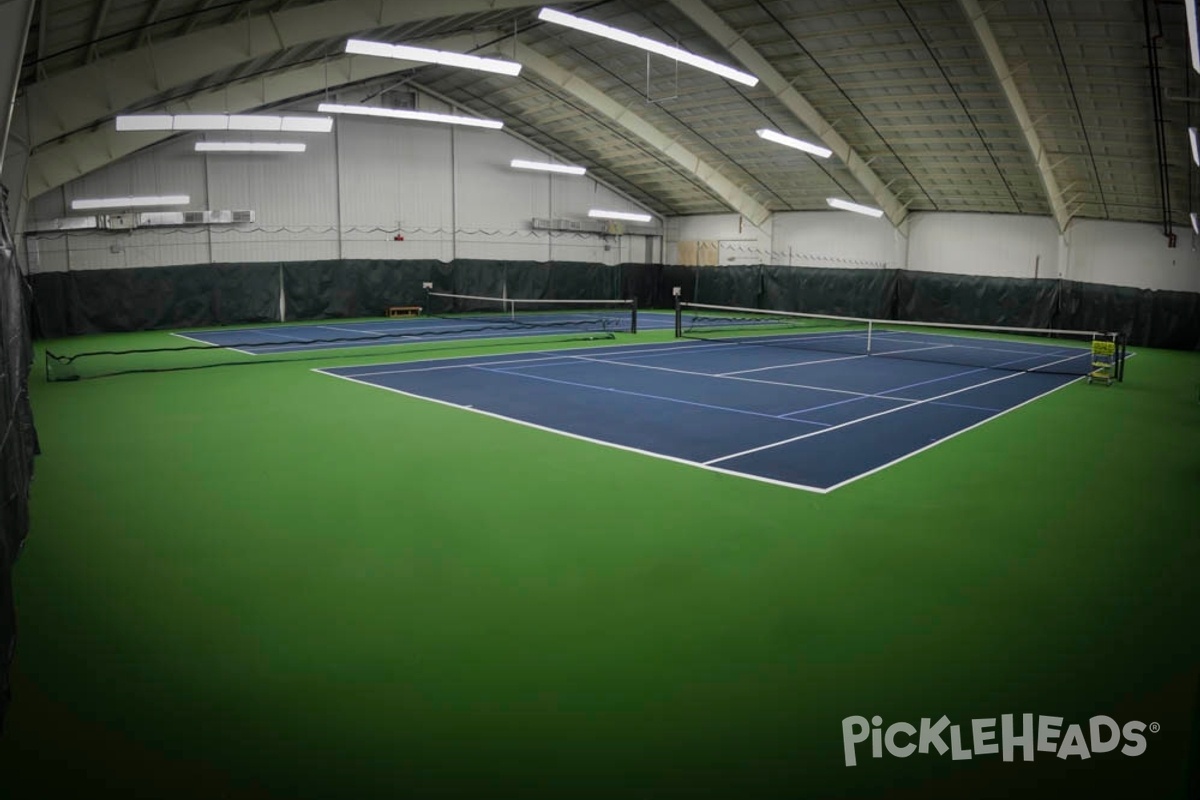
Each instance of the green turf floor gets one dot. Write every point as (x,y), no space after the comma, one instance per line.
(264,582)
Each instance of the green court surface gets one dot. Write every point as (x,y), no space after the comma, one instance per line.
(263,582)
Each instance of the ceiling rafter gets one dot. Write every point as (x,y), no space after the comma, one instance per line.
(43,26)
(97,26)
(151,16)
(795,102)
(56,164)
(735,196)
(979,23)
(76,99)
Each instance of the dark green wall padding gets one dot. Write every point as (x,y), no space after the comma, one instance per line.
(96,301)
(269,583)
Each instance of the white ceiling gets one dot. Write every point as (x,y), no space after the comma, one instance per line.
(908,93)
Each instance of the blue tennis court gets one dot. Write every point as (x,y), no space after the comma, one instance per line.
(275,339)
(805,419)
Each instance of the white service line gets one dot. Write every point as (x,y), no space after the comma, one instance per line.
(727,377)
(868,417)
(659,349)
(214,346)
(785,366)
(359,331)
(830,360)
(582,438)
(448,366)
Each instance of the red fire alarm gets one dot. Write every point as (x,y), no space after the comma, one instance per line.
(399,237)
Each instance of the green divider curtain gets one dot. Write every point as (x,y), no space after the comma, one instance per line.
(977,300)
(155,298)
(822,290)
(740,285)
(354,287)
(18,437)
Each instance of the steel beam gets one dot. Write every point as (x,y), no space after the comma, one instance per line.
(999,65)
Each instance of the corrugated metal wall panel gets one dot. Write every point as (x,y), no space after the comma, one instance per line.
(450,192)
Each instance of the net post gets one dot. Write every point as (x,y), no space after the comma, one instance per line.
(427,287)
(675,291)
(1121,343)
(633,316)
(870,330)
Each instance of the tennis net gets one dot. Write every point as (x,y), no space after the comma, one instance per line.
(985,346)
(609,315)
(449,321)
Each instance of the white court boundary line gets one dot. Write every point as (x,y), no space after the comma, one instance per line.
(876,415)
(733,376)
(214,346)
(948,437)
(581,437)
(658,347)
(661,348)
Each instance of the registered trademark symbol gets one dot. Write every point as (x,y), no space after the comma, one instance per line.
(1155,727)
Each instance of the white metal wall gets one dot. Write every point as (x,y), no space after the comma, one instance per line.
(450,193)
(736,239)
(1114,253)
(1128,254)
(801,239)
(837,239)
(1000,245)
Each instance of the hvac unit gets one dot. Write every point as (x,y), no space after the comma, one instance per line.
(161,218)
(120,222)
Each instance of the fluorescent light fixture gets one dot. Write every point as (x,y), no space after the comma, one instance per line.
(222,122)
(408,53)
(201,122)
(1192,135)
(145,122)
(250,147)
(419,116)
(799,144)
(130,202)
(625,37)
(597,213)
(565,169)
(1193,33)
(1195,222)
(304,125)
(845,205)
(251,122)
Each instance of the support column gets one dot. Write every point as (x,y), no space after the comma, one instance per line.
(15,16)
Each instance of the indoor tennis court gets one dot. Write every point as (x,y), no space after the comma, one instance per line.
(659,400)
(755,410)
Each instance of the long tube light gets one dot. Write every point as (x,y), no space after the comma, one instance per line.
(597,213)
(565,169)
(1193,136)
(409,53)
(420,116)
(130,202)
(250,147)
(1193,33)
(634,40)
(846,205)
(799,144)
(1195,222)
(223,122)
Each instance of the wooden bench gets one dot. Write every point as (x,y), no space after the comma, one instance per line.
(404,311)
